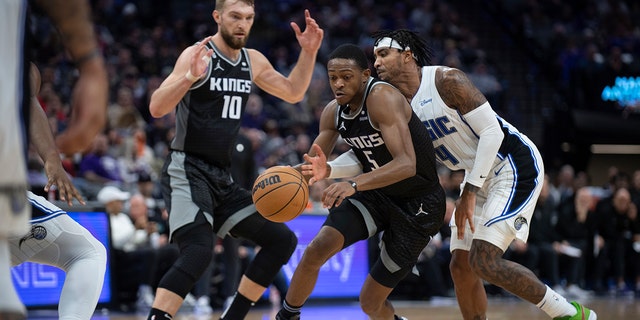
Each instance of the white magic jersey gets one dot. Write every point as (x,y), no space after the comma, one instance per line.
(454,141)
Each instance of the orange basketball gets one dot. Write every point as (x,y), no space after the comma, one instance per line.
(280,193)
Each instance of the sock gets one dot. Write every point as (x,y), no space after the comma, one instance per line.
(238,308)
(156,314)
(556,305)
(9,300)
(288,310)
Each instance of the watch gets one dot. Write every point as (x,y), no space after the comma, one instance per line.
(354,185)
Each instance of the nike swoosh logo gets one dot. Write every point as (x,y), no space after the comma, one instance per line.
(498,171)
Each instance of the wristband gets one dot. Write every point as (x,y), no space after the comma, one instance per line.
(191,77)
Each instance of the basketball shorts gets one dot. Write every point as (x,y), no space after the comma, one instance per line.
(191,185)
(408,224)
(505,203)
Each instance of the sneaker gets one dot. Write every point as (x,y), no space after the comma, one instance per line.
(283,315)
(577,292)
(145,297)
(584,313)
(189,301)
(203,306)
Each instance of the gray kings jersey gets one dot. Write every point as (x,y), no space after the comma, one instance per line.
(208,116)
(368,145)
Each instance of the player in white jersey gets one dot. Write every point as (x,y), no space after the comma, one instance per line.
(56,239)
(503,175)
(73,20)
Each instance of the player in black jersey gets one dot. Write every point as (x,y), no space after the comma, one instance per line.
(398,191)
(208,88)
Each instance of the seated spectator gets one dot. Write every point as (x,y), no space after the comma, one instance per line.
(576,225)
(139,257)
(616,218)
(97,168)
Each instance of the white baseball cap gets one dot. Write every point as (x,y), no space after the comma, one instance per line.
(111,193)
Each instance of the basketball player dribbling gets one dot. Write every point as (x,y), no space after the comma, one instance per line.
(208,88)
(499,193)
(398,194)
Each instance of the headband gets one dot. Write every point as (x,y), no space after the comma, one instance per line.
(388,42)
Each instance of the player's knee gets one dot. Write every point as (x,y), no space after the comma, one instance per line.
(278,240)
(459,265)
(320,249)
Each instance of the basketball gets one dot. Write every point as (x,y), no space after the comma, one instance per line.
(280,193)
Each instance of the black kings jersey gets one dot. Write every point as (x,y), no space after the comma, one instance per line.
(369,146)
(208,116)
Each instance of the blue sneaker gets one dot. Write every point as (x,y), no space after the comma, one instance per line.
(583,313)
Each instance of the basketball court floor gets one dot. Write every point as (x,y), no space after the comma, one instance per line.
(502,308)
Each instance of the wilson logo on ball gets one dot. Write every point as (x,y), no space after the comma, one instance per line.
(280,193)
(268,181)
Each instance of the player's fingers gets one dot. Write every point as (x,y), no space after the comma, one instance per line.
(295,28)
(471,225)
(312,180)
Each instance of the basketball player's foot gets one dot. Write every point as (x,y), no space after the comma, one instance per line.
(583,313)
(286,315)
(396,317)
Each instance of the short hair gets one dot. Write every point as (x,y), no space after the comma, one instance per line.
(407,38)
(220,3)
(351,52)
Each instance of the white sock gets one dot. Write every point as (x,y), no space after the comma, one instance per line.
(556,305)
(9,300)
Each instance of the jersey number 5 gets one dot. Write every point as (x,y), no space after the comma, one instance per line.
(232,108)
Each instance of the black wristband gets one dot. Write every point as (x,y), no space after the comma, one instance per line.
(354,185)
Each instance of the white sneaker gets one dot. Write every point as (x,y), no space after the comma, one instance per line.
(145,296)
(189,300)
(203,306)
(575,291)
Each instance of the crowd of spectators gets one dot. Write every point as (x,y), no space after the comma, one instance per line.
(141,40)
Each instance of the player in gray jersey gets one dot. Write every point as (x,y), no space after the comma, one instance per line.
(397,194)
(208,89)
(500,191)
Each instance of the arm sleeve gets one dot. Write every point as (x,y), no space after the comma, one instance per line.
(484,122)
(345,165)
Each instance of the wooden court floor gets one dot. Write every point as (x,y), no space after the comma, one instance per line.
(438,309)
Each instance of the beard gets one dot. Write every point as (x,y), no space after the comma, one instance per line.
(232,41)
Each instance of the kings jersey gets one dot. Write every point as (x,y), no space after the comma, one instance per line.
(368,145)
(208,116)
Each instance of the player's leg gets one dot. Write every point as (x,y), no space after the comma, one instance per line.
(84,260)
(196,250)
(277,242)
(14,214)
(469,288)
(331,238)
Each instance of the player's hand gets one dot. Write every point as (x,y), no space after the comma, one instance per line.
(58,177)
(315,166)
(89,108)
(311,38)
(201,58)
(464,213)
(335,193)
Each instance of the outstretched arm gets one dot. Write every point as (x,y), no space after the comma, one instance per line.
(292,88)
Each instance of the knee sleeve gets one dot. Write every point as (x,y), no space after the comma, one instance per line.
(277,243)
(196,252)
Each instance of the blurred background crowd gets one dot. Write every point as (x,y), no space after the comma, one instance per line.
(537,61)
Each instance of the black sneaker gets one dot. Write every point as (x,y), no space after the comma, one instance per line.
(285,315)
